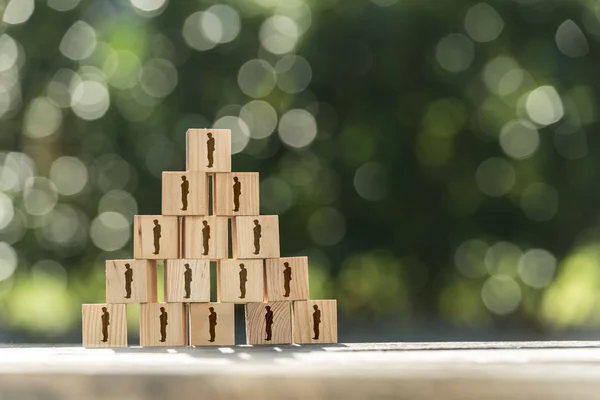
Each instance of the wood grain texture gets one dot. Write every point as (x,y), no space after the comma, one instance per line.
(174,332)
(226,188)
(306,317)
(198,154)
(246,241)
(230,285)
(287,282)
(257,326)
(136,284)
(194,238)
(177,289)
(556,370)
(200,324)
(104,329)
(184,197)
(145,242)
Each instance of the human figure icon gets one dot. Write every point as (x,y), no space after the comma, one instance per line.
(212,323)
(128,280)
(243,280)
(237,191)
(157,235)
(287,278)
(164,321)
(210,150)
(257,235)
(268,323)
(105,323)
(187,276)
(185,190)
(316,321)
(205,236)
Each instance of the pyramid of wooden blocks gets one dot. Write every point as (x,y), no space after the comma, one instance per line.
(192,231)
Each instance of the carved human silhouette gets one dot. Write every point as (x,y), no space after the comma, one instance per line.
(157,235)
(237,191)
(316,321)
(164,321)
(257,235)
(205,236)
(268,323)
(212,323)
(187,276)
(243,280)
(128,280)
(287,278)
(210,150)
(185,190)
(105,323)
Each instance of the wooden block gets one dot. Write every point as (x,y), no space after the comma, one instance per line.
(163,324)
(104,325)
(205,237)
(209,150)
(131,281)
(184,193)
(287,278)
(156,237)
(187,281)
(269,323)
(237,193)
(315,321)
(240,281)
(212,324)
(256,237)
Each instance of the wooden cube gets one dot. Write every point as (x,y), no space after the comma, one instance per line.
(315,321)
(236,193)
(240,281)
(104,325)
(212,324)
(205,237)
(269,323)
(163,324)
(184,193)
(209,150)
(156,237)
(187,281)
(287,278)
(131,281)
(256,237)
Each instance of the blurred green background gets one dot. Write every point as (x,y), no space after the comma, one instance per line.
(436,160)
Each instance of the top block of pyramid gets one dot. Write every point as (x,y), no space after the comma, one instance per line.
(208,150)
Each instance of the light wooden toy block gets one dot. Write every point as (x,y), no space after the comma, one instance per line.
(212,324)
(156,237)
(287,278)
(240,281)
(269,323)
(205,237)
(184,193)
(104,325)
(237,193)
(315,321)
(256,237)
(209,150)
(187,281)
(131,281)
(163,324)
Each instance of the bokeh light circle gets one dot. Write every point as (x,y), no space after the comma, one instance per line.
(256,78)
(297,128)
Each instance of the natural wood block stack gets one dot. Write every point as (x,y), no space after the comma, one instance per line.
(187,237)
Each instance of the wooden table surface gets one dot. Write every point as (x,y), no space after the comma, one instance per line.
(457,370)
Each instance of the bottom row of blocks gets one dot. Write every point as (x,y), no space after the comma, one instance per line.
(212,324)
